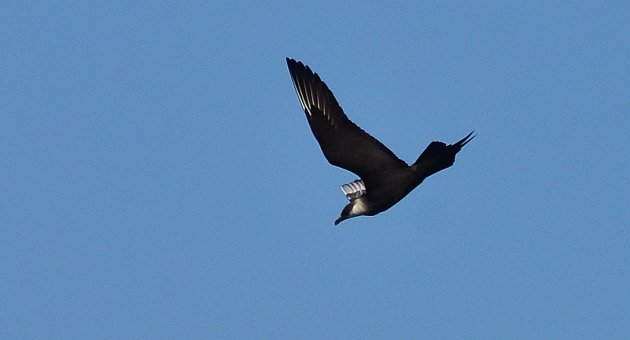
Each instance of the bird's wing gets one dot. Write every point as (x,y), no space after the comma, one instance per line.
(354,189)
(343,143)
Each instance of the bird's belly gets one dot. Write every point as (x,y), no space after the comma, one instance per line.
(386,201)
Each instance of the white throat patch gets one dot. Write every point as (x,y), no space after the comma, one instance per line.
(359,207)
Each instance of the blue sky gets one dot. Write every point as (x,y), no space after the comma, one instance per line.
(159,179)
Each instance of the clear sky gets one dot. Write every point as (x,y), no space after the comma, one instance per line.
(158,178)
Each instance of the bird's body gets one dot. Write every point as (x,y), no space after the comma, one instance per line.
(384,178)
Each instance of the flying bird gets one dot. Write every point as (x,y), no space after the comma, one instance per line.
(384,179)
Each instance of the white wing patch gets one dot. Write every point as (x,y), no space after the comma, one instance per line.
(311,97)
(300,95)
(354,189)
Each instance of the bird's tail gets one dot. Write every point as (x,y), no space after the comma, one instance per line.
(439,156)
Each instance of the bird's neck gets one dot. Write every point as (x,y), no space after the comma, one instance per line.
(359,206)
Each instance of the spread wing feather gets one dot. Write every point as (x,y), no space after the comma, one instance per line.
(354,189)
(343,143)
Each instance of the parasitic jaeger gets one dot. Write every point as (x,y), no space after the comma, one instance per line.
(384,179)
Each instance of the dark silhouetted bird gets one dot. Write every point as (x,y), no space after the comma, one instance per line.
(384,178)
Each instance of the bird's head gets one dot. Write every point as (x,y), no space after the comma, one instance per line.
(345,213)
(356,207)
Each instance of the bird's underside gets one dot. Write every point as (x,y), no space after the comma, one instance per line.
(384,178)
